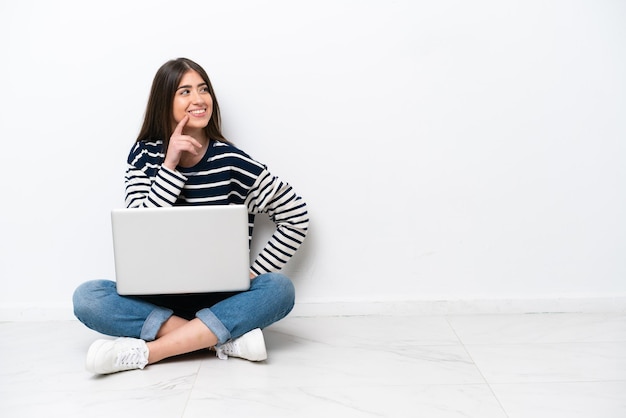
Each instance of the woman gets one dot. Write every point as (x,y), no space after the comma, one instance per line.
(182,158)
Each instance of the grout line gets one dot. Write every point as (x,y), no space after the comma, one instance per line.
(193,385)
(477,368)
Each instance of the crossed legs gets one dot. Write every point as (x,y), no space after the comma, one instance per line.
(159,331)
(180,336)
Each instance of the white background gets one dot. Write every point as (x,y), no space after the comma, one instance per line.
(448,150)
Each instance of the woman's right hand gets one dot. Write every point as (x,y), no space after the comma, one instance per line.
(179,145)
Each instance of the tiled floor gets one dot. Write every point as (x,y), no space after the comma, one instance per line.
(543,365)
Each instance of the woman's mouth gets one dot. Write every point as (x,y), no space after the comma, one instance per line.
(197,112)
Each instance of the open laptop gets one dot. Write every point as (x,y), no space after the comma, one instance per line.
(181,249)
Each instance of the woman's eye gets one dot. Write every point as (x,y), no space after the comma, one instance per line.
(184,92)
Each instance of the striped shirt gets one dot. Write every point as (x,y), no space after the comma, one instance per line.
(224,176)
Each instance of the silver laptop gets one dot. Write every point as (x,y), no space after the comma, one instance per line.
(181,249)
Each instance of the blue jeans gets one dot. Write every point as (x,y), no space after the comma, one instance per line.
(228,315)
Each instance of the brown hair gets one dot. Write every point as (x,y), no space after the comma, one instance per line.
(157,123)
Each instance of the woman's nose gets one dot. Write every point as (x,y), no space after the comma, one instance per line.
(197,97)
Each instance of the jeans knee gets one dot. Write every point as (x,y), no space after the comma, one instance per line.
(288,289)
(281,287)
(86,295)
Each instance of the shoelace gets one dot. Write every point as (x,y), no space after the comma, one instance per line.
(130,357)
(226,349)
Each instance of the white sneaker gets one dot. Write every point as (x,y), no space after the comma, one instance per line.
(250,346)
(110,356)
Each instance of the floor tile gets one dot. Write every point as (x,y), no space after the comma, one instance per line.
(567,400)
(326,364)
(370,331)
(539,328)
(433,401)
(558,362)
(94,404)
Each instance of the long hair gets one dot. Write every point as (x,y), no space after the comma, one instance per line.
(157,123)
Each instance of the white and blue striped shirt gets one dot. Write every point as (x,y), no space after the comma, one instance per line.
(225,175)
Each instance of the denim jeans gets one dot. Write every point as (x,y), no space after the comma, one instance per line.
(228,315)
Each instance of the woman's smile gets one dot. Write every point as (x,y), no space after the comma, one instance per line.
(198,112)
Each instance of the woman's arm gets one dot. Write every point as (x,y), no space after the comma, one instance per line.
(288,211)
(148,184)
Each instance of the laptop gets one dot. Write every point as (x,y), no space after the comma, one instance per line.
(181,249)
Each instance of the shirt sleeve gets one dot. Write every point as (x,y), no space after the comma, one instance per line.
(142,191)
(288,211)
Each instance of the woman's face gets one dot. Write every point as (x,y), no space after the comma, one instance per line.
(192,98)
